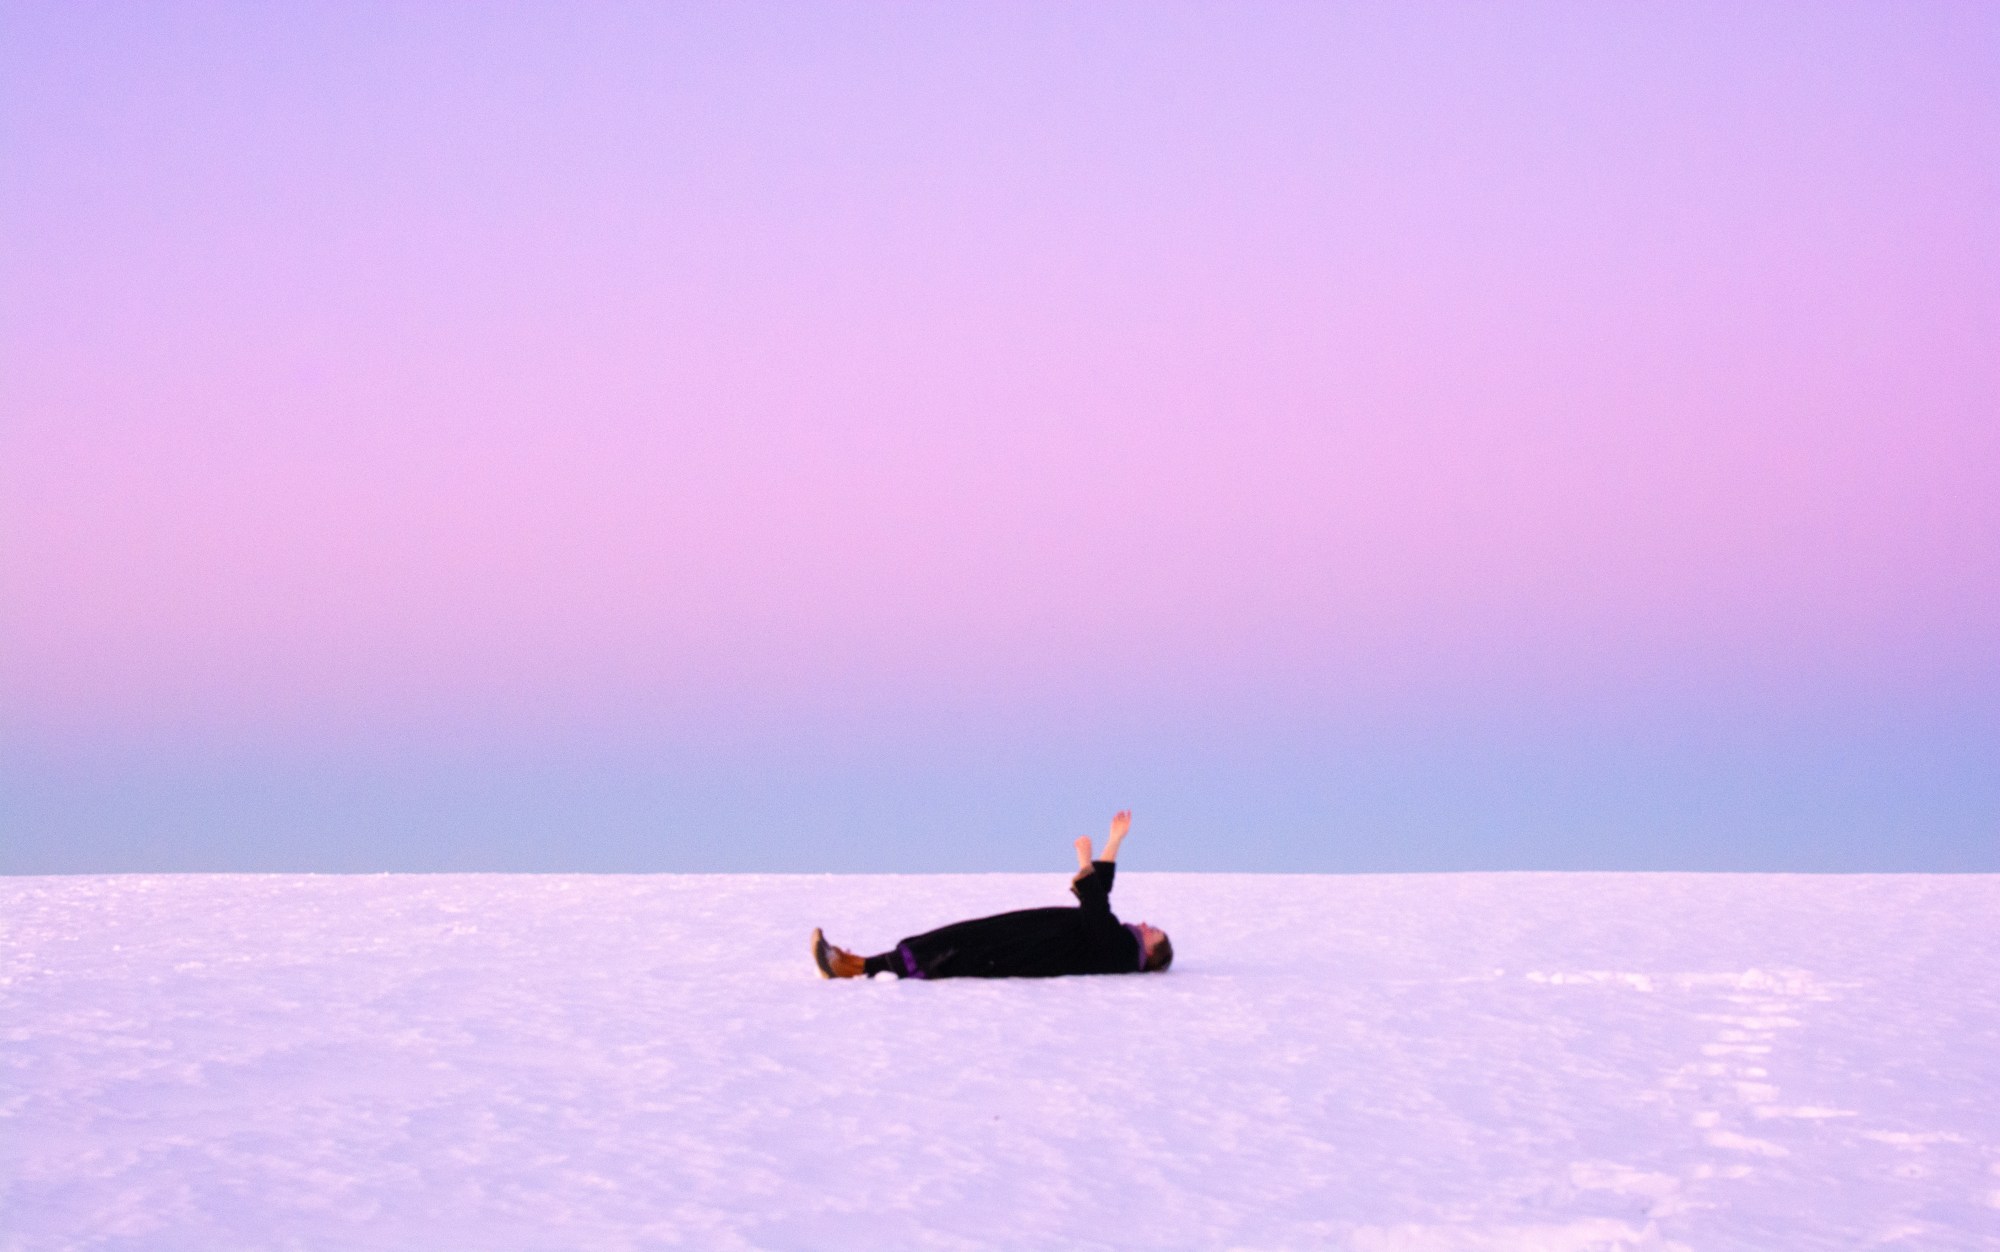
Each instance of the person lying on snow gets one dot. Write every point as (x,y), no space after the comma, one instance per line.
(1031,943)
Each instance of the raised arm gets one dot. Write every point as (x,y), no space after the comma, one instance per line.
(1120,826)
(1093,889)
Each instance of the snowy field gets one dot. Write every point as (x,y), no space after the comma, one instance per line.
(1534,1062)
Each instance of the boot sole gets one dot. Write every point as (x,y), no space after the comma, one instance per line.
(820,954)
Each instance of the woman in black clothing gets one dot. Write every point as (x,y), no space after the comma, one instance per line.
(1031,943)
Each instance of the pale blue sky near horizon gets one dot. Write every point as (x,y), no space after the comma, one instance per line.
(1918,792)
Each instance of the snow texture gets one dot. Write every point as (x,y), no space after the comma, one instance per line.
(1445,1063)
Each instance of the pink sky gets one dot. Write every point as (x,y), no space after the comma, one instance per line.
(539,369)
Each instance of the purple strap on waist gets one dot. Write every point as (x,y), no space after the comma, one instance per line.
(909,960)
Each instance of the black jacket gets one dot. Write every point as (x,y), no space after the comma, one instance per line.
(1033,943)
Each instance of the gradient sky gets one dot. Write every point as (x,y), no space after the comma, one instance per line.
(894,436)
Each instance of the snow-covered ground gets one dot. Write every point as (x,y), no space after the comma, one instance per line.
(1485,1061)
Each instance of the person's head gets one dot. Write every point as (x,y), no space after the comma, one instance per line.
(1159,948)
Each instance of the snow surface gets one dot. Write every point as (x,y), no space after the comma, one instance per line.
(1538,1062)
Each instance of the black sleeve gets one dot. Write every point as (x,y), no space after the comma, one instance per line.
(1093,886)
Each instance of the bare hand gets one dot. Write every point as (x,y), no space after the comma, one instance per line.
(1083,852)
(1119,825)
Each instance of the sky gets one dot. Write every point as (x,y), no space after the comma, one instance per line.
(872,437)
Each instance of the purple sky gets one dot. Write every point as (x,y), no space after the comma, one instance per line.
(1013,410)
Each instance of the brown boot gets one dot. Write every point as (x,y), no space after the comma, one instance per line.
(835,962)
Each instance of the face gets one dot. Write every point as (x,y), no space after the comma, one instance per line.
(1151,934)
